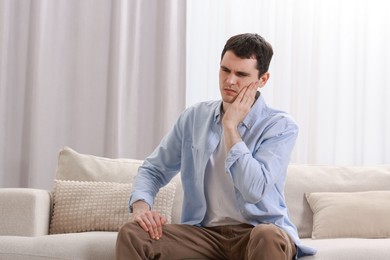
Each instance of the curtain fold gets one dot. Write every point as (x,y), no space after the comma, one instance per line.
(103,77)
(329,70)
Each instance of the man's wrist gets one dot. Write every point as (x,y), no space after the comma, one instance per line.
(139,205)
(231,136)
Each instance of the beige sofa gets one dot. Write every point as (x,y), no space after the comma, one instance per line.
(78,219)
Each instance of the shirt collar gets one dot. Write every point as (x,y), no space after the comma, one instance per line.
(255,113)
(218,113)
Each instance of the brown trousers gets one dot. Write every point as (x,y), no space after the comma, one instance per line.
(265,241)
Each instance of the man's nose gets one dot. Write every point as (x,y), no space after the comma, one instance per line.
(231,79)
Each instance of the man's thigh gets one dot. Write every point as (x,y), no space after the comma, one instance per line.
(180,242)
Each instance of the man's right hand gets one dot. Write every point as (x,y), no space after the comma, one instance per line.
(150,221)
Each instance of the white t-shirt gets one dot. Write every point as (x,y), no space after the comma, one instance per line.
(219,190)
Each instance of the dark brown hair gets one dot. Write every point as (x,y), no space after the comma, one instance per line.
(251,45)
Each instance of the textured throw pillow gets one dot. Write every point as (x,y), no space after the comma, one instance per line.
(350,214)
(81,206)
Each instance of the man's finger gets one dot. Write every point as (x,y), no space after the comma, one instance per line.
(241,95)
(163,220)
(252,88)
(142,224)
(149,222)
(158,227)
(251,92)
(244,96)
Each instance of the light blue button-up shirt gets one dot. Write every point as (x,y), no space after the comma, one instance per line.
(257,164)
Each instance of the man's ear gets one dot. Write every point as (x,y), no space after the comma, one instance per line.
(263,79)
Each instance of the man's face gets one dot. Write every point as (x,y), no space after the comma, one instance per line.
(234,74)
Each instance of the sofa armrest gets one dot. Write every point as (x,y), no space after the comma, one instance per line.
(24,212)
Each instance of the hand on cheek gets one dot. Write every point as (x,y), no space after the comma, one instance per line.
(241,106)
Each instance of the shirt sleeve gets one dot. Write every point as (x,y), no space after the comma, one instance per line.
(160,167)
(255,173)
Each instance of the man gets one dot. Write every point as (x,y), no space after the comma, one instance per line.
(233,156)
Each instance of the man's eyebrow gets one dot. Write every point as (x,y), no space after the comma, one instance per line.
(241,73)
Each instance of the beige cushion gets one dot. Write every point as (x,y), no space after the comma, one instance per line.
(320,178)
(98,206)
(350,214)
(84,167)
(92,192)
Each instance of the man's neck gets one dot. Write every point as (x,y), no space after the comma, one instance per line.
(224,107)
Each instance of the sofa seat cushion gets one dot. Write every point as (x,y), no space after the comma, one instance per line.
(349,249)
(89,245)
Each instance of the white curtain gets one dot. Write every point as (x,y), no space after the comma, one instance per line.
(109,77)
(103,77)
(330,69)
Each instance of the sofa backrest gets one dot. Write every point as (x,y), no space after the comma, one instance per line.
(317,178)
(312,178)
(300,179)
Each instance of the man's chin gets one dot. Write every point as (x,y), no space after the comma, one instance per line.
(228,99)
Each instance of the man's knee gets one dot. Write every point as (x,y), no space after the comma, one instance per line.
(271,236)
(130,239)
(130,232)
(265,231)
